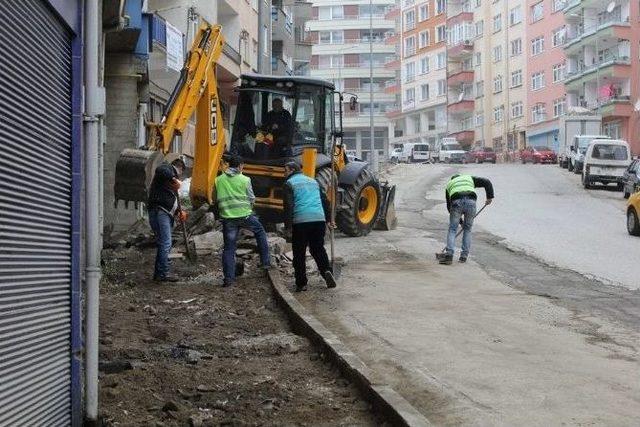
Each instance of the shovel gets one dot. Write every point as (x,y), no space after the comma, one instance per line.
(440,255)
(189,247)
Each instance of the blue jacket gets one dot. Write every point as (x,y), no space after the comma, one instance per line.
(304,200)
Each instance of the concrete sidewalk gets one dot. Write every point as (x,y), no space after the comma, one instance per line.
(465,348)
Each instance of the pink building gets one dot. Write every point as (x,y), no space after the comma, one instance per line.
(602,50)
(546,69)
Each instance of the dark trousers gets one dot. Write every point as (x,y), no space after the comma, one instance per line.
(230,230)
(308,234)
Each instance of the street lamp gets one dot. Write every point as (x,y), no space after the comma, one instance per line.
(373,160)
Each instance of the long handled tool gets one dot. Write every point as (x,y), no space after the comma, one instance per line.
(334,196)
(191,253)
(441,254)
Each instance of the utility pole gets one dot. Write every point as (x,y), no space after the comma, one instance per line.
(373,158)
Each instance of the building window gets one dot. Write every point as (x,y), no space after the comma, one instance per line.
(410,95)
(537,45)
(558,37)
(557,5)
(331,37)
(479,28)
(409,20)
(441,60)
(516,109)
(424,92)
(516,78)
(498,113)
(479,119)
(497,84)
(479,89)
(558,72)
(441,33)
(423,12)
(330,12)
(537,80)
(440,6)
(409,71)
(478,59)
(442,87)
(538,113)
(424,65)
(424,39)
(558,107)
(537,11)
(612,129)
(497,54)
(516,47)
(515,15)
(409,46)
(497,23)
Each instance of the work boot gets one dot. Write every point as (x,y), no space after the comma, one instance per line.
(227,283)
(446,259)
(167,279)
(463,258)
(440,255)
(329,279)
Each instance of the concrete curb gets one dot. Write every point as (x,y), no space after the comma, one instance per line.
(383,398)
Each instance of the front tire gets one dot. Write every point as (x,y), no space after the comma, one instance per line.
(570,167)
(586,181)
(633,226)
(360,206)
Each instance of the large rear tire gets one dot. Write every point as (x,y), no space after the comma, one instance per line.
(360,206)
(323,176)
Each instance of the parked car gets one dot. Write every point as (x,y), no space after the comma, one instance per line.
(538,155)
(633,213)
(577,149)
(394,156)
(420,153)
(605,162)
(480,155)
(631,179)
(451,152)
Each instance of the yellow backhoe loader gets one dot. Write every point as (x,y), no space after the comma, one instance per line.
(277,119)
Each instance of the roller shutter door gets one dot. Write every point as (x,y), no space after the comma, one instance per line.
(35,215)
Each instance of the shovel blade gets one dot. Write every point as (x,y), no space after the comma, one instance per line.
(387,218)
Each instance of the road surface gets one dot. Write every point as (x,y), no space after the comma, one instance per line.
(539,328)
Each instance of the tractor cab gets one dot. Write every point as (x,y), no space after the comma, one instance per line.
(278,117)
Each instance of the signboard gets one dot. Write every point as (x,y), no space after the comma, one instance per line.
(175,51)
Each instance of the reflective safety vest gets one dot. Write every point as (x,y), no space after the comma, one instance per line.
(307,204)
(231,195)
(461,184)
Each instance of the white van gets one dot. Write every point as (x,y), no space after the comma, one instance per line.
(420,153)
(577,150)
(450,151)
(605,161)
(407,152)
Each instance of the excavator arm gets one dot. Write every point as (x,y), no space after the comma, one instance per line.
(195,92)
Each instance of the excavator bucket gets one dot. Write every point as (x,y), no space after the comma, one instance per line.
(387,219)
(134,172)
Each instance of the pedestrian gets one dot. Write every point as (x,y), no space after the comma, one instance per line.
(162,207)
(307,214)
(234,197)
(461,204)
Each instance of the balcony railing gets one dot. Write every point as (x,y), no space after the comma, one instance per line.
(354,17)
(351,41)
(390,83)
(337,66)
(602,24)
(606,61)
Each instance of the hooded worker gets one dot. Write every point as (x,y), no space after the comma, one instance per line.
(461,203)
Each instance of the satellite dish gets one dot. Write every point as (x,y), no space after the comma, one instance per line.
(461,97)
(636,107)
(611,6)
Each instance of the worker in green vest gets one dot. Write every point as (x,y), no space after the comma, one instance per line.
(461,203)
(234,197)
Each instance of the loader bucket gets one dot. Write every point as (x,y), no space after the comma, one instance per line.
(387,219)
(134,172)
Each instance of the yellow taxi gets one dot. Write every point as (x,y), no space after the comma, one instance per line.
(633,213)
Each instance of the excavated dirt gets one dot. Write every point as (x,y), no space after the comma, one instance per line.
(197,354)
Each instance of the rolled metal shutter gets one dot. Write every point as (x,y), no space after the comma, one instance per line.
(35,216)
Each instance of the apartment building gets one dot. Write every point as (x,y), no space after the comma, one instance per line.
(342,33)
(601,48)
(546,97)
(420,85)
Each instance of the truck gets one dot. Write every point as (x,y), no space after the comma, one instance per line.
(449,151)
(577,121)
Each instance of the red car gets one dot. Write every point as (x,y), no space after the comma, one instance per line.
(480,155)
(538,155)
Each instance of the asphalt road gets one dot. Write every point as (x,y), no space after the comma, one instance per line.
(541,327)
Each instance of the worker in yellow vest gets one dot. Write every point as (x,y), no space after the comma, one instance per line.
(461,204)
(234,197)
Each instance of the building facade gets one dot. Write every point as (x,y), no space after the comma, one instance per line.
(341,34)
(602,44)
(546,98)
(420,84)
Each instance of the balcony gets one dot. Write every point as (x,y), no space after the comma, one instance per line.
(464,136)
(461,50)
(461,107)
(391,38)
(408,105)
(459,17)
(611,66)
(282,24)
(460,77)
(392,13)
(393,111)
(280,67)
(392,64)
(391,87)
(610,27)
